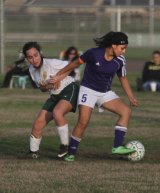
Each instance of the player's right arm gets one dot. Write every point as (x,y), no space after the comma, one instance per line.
(71,66)
(84,58)
(67,69)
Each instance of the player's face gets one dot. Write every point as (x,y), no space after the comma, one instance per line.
(34,57)
(156,58)
(72,54)
(119,50)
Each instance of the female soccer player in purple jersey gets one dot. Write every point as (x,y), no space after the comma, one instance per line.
(102,63)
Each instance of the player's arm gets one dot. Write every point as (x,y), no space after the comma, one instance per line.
(56,84)
(50,83)
(67,69)
(71,66)
(127,88)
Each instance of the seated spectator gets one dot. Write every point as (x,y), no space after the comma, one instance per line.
(151,74)
(69,55)
(20,68)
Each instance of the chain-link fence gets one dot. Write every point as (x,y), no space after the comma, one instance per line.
(59,27)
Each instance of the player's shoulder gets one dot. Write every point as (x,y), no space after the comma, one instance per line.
(94,51)
(48,61)
(51,62)
(88,51)
(121,59)
(55,63)
(31,69)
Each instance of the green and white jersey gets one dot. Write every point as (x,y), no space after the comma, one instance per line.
(49,68)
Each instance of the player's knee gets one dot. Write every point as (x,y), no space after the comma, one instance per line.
(57,114)
(127,112)
(38,124)
(82,124)
(36,132)
(38,121)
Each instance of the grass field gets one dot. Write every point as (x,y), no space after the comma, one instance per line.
(95,169)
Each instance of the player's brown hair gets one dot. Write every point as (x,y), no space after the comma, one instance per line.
(117,38)
(29,45)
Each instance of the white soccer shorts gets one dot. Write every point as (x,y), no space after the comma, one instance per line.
(89,97)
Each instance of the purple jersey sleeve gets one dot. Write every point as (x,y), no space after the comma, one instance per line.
(87,56)
(122,68)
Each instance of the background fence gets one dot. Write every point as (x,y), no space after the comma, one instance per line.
(57,27)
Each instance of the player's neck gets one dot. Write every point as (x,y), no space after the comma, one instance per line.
(108,54)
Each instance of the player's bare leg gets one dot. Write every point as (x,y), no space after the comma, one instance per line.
(84,117)
(62,108)
(42,119)
(119,107)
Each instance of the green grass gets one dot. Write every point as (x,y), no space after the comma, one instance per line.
(95,170)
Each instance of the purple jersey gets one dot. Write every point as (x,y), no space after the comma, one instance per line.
(99,72)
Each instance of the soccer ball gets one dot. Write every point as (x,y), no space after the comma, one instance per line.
(139,153)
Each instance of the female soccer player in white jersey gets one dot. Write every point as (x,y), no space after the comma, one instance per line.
(102,63)
(63,98)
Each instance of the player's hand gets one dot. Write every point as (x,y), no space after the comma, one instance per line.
(42,83)
(54,79)
(56,85)
(134,101)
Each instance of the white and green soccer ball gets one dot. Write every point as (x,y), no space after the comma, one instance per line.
(139,153)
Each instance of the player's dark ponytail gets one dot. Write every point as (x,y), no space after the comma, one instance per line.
(117,38)
(104,41)
(30,45)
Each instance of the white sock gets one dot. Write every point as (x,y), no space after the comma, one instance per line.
(63,134)
(34,143)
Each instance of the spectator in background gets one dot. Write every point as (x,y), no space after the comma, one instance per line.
(69,55)
(151,74)
(20,68)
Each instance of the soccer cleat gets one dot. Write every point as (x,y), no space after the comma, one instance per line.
(63,150)
(69,158)
(122,150)
(34,155)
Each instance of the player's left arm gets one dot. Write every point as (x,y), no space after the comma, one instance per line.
(127,88)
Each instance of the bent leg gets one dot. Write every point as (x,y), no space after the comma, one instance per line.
(40,122)
(59,112)
(86,101)
(119,107)
(84,117)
